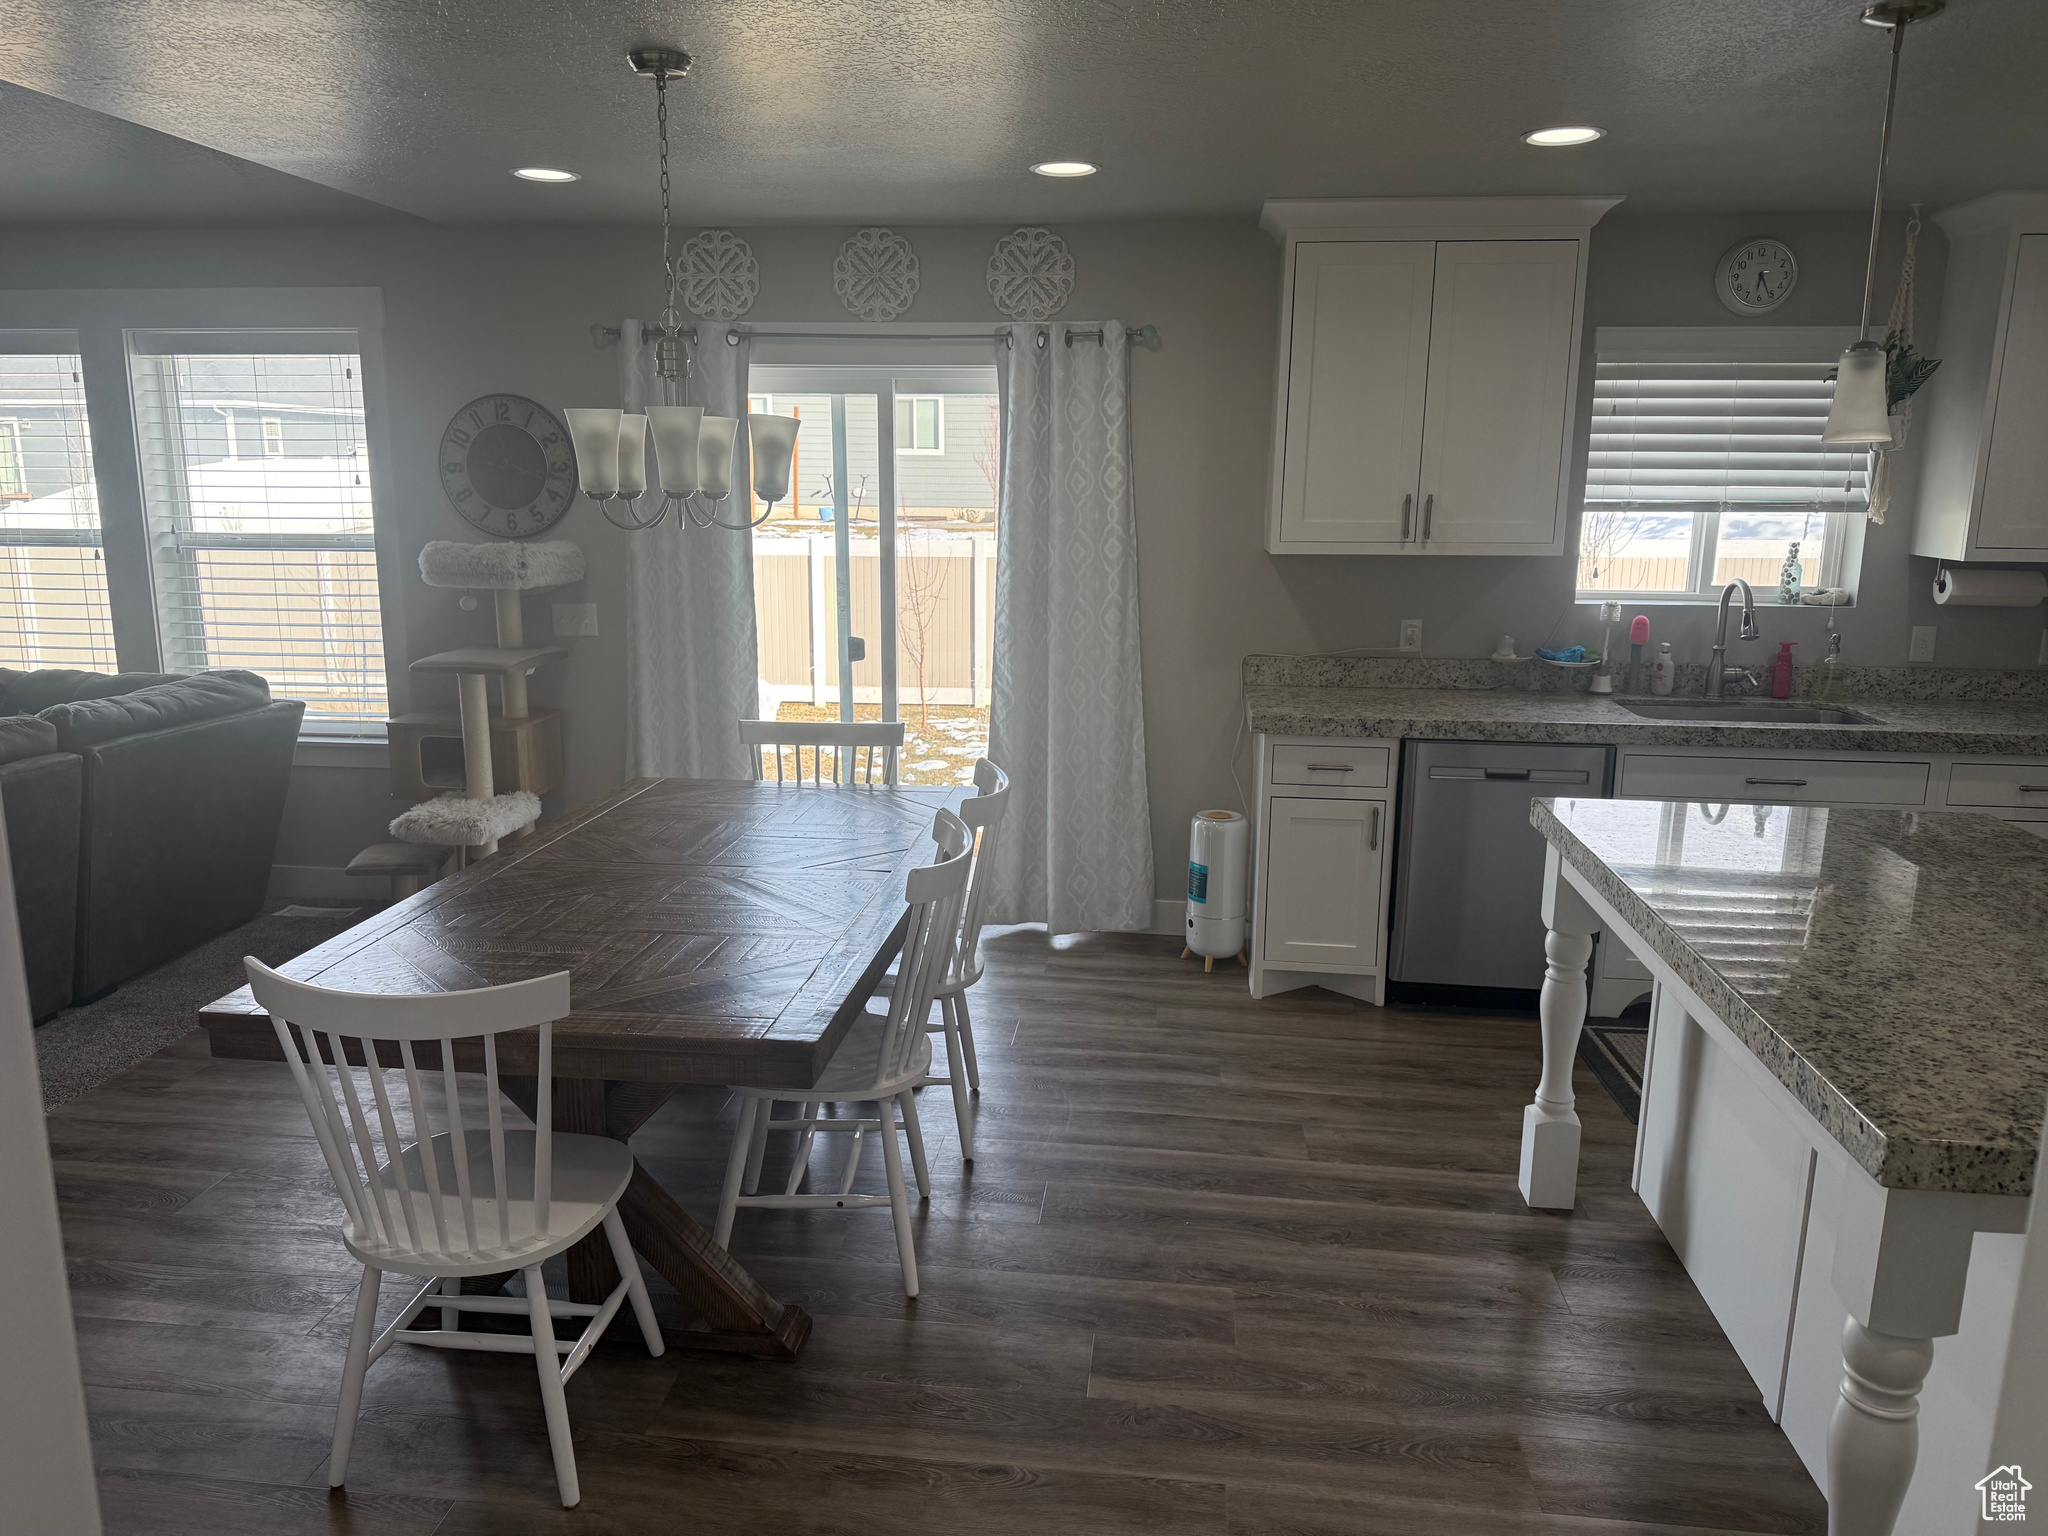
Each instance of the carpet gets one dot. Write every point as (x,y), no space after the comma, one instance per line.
(80,1048)
(1614,1050)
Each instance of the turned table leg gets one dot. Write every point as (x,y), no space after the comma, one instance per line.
(1874,1436)
(1550,1125)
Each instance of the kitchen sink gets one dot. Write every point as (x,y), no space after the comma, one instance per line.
(1752,712)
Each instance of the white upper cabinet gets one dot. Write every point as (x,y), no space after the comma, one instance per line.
(1428,372)
(1984,480)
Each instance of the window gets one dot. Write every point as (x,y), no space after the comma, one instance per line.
(261,557)
(53,580)
(921,424)
(917,594)
(1705,464)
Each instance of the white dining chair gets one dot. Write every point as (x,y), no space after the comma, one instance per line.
(883,1057)
(983,816)
(849,740)
(473,1198)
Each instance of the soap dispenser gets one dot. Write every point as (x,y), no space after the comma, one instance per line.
(1664,670)
(1781,671)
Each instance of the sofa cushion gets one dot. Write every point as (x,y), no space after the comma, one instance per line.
(25,736)
(208,696)
(30,693)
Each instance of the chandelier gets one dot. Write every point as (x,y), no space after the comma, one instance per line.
(693,452)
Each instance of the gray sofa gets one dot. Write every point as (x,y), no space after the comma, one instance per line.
(145,807)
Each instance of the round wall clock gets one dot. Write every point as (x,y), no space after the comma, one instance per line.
(1756,276)
(507,466)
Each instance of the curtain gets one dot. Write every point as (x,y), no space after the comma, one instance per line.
(1067,721)
(691,661)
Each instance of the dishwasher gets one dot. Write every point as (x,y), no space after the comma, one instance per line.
(1469,877)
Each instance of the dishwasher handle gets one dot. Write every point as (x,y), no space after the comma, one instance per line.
(1507,773)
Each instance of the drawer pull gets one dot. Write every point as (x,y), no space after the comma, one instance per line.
(2034,789)
(1790,783)
(1330,767)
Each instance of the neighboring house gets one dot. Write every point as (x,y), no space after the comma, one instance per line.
(946,463)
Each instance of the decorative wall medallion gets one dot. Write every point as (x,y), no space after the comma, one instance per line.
(875,274)
(720,277)
(1031,274)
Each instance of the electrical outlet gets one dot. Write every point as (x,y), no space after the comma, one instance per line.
(1411,634)
(573,619)
(1923,643)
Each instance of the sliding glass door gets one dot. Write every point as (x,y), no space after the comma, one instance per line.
(874,585)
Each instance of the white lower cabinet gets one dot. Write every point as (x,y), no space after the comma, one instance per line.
(1323,881)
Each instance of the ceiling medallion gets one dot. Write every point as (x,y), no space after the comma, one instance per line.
(1031,274)
(720,276)
(875,275)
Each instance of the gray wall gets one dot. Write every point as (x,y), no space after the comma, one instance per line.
(472,311)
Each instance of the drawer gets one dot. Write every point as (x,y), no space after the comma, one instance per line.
(2015,784)
(1796,781)
(1344,767)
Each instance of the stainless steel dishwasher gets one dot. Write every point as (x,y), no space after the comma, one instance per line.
(1470,873)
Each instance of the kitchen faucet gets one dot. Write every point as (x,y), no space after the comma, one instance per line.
(1719,672)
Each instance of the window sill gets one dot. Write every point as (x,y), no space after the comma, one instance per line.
(326,751)
(1666,600)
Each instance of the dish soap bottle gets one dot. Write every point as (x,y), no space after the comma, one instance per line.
(1663,671)
(1830,689)
(1781,669)
(1792,578)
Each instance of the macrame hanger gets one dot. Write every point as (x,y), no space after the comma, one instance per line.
(1901,322)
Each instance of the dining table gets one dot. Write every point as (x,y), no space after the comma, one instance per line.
(715,932)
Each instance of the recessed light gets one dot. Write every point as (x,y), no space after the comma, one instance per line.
(543,173)
(1561,138)
(1066,168)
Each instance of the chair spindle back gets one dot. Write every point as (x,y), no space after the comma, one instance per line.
(983,816)
(933,894)
(849,740)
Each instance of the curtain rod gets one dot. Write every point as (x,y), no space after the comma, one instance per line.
(1143,335)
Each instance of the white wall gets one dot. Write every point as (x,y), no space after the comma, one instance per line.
(475,310)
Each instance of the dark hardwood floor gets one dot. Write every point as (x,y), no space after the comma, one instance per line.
(1221,1266)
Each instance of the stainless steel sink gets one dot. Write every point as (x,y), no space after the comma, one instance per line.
(1753,712)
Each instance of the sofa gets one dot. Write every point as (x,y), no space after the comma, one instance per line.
(145,808)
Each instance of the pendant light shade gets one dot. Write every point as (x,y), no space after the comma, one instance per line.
(632,454)
(774,440)
(714,455)
(595,433)
(1859,417)
(675,445)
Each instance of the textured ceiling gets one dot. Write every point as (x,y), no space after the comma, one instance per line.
(930,110)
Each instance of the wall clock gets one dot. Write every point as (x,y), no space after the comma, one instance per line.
(1756,276)
(507,466)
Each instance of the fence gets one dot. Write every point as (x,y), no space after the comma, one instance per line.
(1668,573)
(945,617)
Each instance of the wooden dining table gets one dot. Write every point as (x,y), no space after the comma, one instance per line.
(714,931)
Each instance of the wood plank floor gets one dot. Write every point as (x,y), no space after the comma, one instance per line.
(1221,1266)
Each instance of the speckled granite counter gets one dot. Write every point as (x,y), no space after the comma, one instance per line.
(1889,968)
(2017,728)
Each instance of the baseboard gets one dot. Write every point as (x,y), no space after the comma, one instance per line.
(297,882)
(1169,917)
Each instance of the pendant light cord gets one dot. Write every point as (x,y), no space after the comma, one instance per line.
(1884,150)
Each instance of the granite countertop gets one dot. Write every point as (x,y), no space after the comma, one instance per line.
(2003,727)
(1890,968)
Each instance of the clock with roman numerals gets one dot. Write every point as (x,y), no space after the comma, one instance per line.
(507,466)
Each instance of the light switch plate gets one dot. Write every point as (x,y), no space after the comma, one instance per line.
(1923,643)
(573,619)
(1411,634)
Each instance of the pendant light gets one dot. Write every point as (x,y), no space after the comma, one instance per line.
(1861,413)
(693,452)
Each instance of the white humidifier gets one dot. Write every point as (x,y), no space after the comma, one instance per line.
(1217,844)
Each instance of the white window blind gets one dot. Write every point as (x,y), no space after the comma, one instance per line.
(256,486)
(53,581)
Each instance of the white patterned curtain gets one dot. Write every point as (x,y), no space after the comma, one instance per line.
(1068,720)
(691,661)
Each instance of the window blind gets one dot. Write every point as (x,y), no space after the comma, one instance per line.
(53,581)
(1712,435)
(256,485)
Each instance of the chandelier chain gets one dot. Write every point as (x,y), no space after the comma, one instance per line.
(671,320)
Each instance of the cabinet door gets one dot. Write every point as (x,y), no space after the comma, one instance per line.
(1500,358)
(1356,375)
(1323,881)
(2015,507)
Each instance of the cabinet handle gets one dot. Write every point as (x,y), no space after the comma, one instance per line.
(1428,514)
(1375,829)
(1407,514)
(2034,789)
(1330,768)
(1794,783)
